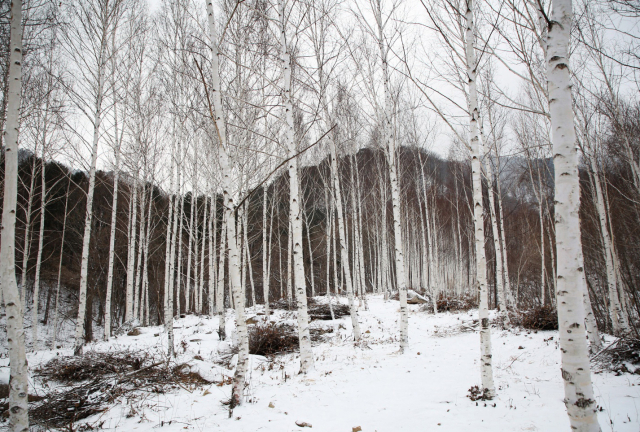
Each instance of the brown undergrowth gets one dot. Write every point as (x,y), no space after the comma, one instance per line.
(87,385)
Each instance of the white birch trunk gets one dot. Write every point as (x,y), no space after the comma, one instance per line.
(328,230)
(311,278)
(289,272)
(429,246)
(306,354)
(503,239)
(36,282)
(265,278)
(344,253)
(169,300)
(144,313)
(618,318)
(595,343)
(384,247)
(86,238)
(502,303)
(112,239)
(187,289)
(478,218)
(248,254)
(196,255)
(579,397)
(220,306)
(212,253)
(136,285)
(390,152)
(64,231)
(19,373)
(26,248)
(179,283)
(202,256)
(131,251)
(228,200)
(359,241)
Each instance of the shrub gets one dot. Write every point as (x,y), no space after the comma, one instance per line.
(272,339)
(540,318)
(461,303)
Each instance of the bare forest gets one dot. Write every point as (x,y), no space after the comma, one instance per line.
(341,214)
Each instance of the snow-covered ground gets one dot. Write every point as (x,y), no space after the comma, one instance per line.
(371,386)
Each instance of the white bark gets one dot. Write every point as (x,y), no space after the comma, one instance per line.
(196,291)
(344,253)
(144,313)
(248,256)
(26,248)
(595,343)
(202,255)
(265,278)
(36,282)
(112,237)
(229,209)
(306,354)
(311,278)
(64,231)
(212,253)
(19,373)
(179,283)
(384,247)
(136,286)
(478,217)
(84,268)
(429,246)
(328,230)
(220,306)
(579,397)
(131,249)
(289,272)
(618,318)
(169,299)
(187,289)
(502,302)
(503,242)
(390,152)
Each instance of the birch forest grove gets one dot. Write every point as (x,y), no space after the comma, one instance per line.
(344,215)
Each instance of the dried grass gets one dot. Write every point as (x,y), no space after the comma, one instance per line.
(94,381)
(316,309)
(539,318)
(273,339)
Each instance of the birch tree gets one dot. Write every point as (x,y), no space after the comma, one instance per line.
(390,154)
(295,214)
(576,373)
(215,106)
(19,371)
(93,23)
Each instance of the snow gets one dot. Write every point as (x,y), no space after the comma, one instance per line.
(371,385)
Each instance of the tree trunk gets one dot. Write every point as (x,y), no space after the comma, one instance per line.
(579,398)
(390,152)
(64,231)
(306,354)
(19,372)
(36,282)
(478,217)
(112,240)
(131,251)
(229,207)
(265,278)
(26,248)
(84,269)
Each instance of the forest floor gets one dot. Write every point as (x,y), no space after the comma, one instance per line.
(370,386)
